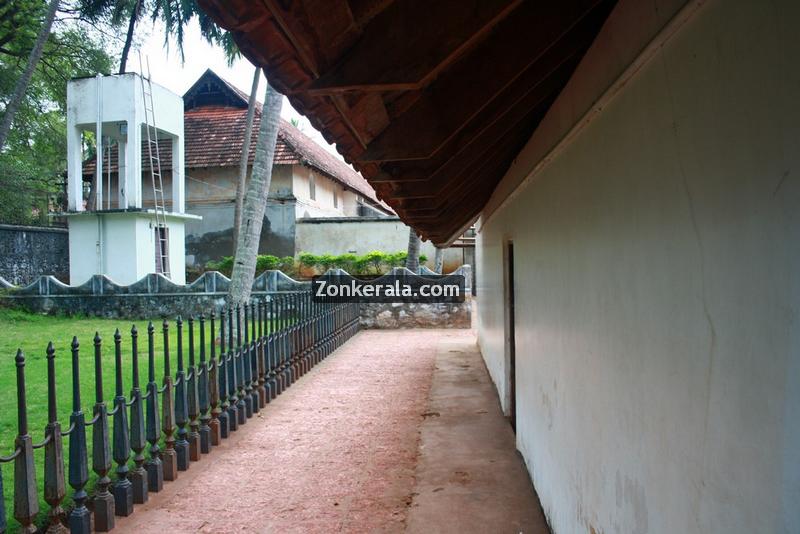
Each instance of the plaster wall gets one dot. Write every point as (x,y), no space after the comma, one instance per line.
(121,246)
(656,289)
(322,205)
(362,235)
(212,193)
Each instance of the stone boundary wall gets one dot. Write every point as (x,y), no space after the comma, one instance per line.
(156,296)
(27,252)
(404,315)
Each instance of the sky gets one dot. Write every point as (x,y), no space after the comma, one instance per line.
(166,68)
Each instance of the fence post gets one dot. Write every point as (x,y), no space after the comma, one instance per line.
(278,344)
(101,448)
(224,415)
(154,467)
(169,456)
(203,392)
(254,357)
(287,354)
(233,401)
(296,371)
(79,518)
(261,352)
(26,501)
(54,487)
(241,406)
(181,410)
(123,490)
(307,332)
(138,476)
(271,349)
(193,401)
(250,407)
(301,335)
(251,326)
(213,388)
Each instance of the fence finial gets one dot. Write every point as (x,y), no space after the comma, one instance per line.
(79,517)
(138,441)
(26,501)
(54,486)
(101,447)
(154,467)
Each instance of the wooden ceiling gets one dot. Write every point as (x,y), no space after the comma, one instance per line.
(430,100)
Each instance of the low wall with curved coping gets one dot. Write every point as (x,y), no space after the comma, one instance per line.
(156,296)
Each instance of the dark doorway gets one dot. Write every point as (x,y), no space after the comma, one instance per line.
(162,250)
(511,337)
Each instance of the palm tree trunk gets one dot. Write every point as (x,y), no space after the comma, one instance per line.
(129,37)
(255,200)
(412,260)
(438,260)
(27,74)
(248,132)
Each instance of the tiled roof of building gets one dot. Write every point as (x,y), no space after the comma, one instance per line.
(214,134)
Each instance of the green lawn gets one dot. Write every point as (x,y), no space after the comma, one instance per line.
(31,333)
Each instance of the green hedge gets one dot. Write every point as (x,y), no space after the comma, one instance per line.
(373,262)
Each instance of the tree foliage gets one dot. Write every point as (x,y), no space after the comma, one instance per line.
(33,163)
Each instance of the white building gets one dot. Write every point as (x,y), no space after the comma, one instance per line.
(633,168)
(117,236)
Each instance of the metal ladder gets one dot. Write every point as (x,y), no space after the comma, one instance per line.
(155,169)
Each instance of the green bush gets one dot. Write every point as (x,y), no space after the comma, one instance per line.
(376,260)
(373,262)
(398,259)
(223,265)
(308,260)
(287,265)
(326,261)
(360,265)
(267,262)
(346,261)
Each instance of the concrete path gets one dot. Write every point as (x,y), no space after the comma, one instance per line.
(357,446)
(469,477)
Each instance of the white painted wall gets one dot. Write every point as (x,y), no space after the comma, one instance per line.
(122,246)
(657,261)
(365,235)
(322,205)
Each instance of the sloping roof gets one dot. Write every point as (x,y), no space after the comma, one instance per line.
(430,101)
(217,135)
(214,134)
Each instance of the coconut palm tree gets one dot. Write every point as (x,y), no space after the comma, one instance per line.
(255,200)
(412,260)
(438,260)
(248,131)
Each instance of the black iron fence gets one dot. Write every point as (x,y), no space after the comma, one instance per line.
(158,430)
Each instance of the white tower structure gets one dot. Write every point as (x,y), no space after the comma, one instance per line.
(135,225)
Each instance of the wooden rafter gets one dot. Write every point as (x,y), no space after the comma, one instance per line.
(430,101)
(410,43)
(450,103)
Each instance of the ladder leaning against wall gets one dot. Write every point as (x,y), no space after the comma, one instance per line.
(162,251)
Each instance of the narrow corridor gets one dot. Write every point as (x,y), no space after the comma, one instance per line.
(397,430)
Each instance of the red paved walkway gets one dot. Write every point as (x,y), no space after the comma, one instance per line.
(337,452)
